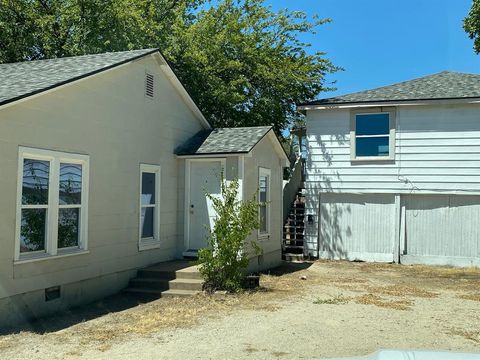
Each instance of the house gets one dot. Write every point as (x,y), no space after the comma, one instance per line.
(393,173)
(105,160)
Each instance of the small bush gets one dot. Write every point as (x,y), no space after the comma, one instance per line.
(223,264)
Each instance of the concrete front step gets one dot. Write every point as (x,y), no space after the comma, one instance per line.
(163,285)
(143,291)
(149,283)
(293,257)
(155,293)
(179,293)
(186,284)
(169,275)
(172,278)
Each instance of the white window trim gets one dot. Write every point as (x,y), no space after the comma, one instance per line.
(391,140)
(268,173)
(51,241)
(153,242)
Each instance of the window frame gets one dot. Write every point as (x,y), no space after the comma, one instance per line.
(268,173)
(155,241)
(391,135)
(55,158)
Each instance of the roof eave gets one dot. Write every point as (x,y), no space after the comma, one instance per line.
(402,102)
(166,67)
(77,78)
(212,154)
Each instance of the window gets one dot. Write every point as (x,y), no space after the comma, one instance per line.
(373,135)
(149,207)
(264,199)
(51,203)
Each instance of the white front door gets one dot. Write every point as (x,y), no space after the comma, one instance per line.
(204,178)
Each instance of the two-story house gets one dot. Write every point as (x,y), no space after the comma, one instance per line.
(393,173)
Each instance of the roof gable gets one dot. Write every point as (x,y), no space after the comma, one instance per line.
(24,79)
(222,141)
(440,86)
(19,80)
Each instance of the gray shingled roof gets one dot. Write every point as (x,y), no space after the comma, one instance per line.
(19,80)
(223,141)
(443,85)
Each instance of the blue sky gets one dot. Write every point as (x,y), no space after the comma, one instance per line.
(380,42)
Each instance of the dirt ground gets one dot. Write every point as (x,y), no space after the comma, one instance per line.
(337,309)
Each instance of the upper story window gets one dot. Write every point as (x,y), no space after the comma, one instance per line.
(372,136)
(51,203)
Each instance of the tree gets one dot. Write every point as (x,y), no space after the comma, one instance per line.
(246,65)
(242,63)
(471,24)
(38,29)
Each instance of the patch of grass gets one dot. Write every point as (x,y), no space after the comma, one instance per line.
(104,347)
(180,312)
(473,297)
(371,299)
(279,353)
(349,280)
(472,335)
(250,349)
(73,353)
(337,300)
(165,313)
(401,291)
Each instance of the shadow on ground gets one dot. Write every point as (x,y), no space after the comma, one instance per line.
(66,318)
(112,304)
(288,268)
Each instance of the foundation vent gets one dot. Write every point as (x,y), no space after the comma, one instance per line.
(52,293)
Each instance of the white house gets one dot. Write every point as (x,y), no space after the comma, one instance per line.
(105,160)
(393,173)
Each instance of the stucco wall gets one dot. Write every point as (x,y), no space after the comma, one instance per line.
(108,118)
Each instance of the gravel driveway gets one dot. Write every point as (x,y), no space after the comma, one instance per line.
(340,309)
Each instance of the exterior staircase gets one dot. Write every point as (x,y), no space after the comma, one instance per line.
(168,279)
(294,230)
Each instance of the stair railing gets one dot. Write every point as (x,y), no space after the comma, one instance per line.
(291,187)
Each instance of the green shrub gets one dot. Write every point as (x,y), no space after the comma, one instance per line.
(223,264)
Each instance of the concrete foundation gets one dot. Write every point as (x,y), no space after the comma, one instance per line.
(26,307)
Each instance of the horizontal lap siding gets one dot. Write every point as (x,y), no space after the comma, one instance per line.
(437,151)
(107,117)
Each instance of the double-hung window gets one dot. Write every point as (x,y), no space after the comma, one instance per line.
(149,231)
(373,135)
(264,200)
(51,203)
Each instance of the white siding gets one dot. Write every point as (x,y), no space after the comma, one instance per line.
(357,227)
(437,152)
(437,149)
